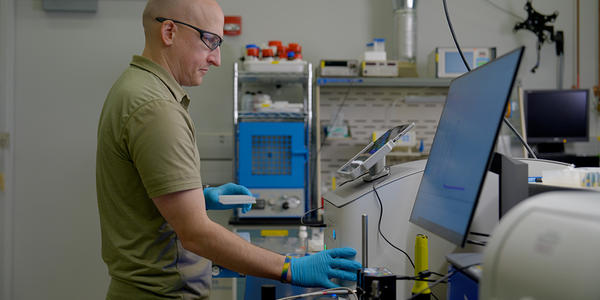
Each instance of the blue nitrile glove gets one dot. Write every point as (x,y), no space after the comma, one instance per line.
(315,270)
(211,196)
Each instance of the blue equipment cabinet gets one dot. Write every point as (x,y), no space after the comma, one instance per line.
(272,148)
(272,155)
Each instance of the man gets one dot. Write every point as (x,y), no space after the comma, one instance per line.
(156,236)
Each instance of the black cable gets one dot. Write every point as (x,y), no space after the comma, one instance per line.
(469,69)
(349,180)
(454,37)
(381,233)
(478,243)
(308,212)
(436,273)
(419,279)
(416,279)
(442,280)
(520,139)
(479,234)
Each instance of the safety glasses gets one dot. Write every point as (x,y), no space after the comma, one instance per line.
(211,40)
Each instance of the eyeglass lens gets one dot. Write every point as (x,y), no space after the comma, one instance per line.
(211,40)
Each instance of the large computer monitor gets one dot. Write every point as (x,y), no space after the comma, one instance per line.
(463,147)
(555,117)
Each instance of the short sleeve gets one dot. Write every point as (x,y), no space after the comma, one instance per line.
(160,140)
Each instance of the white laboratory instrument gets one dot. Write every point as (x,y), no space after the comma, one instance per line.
(448,63)
(545,248)
(345,206)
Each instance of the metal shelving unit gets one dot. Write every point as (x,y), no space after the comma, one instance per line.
(263,128)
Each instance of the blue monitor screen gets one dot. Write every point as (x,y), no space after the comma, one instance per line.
(462,148)
(556,115)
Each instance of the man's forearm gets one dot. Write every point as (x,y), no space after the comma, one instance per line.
(227,249)
(185,211)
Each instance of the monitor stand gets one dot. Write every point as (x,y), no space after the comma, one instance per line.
(513,185)
(551,148)
(556,152)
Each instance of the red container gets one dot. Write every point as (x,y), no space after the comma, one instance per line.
(282,52)
(267,52)
(275,43)
(294,47)
(252,52)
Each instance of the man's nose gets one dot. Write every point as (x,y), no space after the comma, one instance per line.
(214,58)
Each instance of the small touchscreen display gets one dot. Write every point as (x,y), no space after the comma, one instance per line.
(374,152)
(389,135)
(386,137)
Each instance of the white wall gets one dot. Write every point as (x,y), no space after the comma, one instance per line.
(66,62)
(7,52)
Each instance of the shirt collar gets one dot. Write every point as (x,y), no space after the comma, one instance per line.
(144,63)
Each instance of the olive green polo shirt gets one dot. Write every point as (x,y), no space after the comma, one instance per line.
(146,148)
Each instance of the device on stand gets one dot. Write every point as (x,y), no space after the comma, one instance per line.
(371,159)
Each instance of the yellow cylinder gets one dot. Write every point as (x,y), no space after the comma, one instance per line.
(421,264)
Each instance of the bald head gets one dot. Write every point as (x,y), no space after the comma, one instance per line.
(182,42)
(199,12)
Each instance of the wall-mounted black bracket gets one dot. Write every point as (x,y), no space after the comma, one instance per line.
(538,24)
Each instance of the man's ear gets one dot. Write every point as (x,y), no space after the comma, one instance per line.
(167,32)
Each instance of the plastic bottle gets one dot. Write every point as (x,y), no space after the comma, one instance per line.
(302,240)
(247,102)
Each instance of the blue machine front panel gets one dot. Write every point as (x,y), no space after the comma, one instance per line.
(461,287)
(272,154)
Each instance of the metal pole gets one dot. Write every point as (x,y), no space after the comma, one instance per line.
(365,241)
